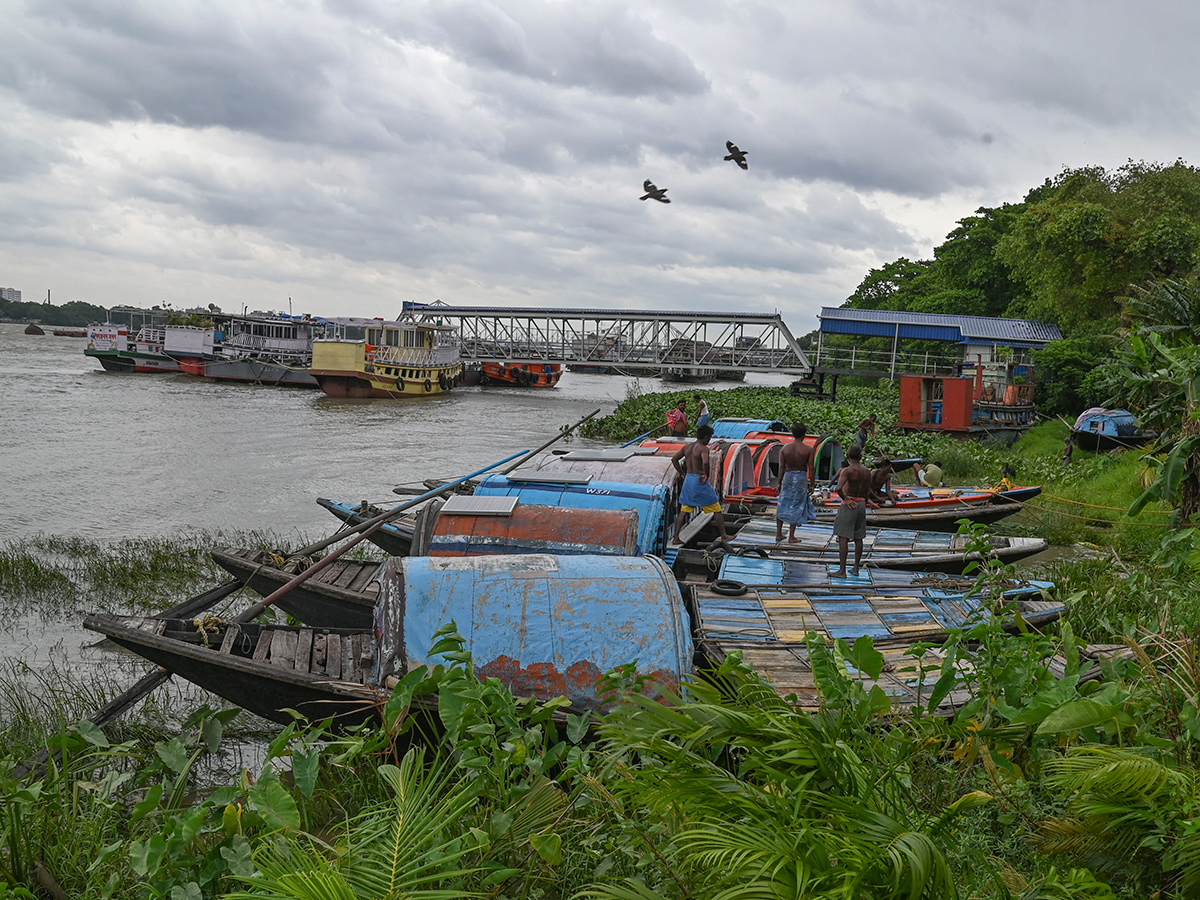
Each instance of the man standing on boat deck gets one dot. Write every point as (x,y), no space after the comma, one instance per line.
(677,419)
(795,504)
(854,487)
(701,411)
(692,461)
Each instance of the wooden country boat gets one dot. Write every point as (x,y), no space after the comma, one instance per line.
(68,332)
(110,345)
(411,357)
(546,626)
(755,570)
(342,595)
(1100,430)
(654,503)
(888,547)
(782,613)
(504,525)
(539,375)
(394,537)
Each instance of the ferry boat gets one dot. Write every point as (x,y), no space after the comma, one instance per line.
(192,346)
(411,357)
(109,344)
(267,348)
(523,374)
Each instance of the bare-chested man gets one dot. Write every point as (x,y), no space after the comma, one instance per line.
(692,462)
(854,487)
(795,504)
(881,482)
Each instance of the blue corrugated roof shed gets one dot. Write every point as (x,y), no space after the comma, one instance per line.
(931,326)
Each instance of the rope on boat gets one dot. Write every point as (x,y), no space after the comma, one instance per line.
(206,623)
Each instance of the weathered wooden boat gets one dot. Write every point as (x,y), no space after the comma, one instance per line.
(479,525)
(1098,430)
(653,502)
(783,613)
(411,357)
(110,345)
(546,626)
(625,465)
(394,538)
(342,595)
(520,374)
(266,669)
(35,329)
(889,547)
(757,570)
(66,332)
(907,677)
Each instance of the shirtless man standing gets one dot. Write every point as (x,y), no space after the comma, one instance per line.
(795,504)
(854,487)
(691,461)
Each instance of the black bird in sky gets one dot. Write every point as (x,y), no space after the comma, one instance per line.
(738,156)
(652,192)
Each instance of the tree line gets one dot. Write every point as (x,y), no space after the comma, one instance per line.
(1077,251)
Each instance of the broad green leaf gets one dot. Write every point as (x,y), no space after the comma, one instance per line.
(212,730)
(305,766)
(1078,714)
(866,658)
(147,857)
(237,855)
(499,876)
(271,801)
(548,846)
(577,727)
(150,802)
(91,733)
(173,754)
(189,891)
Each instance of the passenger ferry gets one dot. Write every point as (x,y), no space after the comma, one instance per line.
(109,344)
(407,358)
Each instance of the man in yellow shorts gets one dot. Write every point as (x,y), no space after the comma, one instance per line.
(692,462)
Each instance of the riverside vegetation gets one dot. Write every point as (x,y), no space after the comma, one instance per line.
(1036,788)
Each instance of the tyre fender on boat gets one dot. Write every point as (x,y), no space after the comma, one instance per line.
(400,384)
(443,383)
(428,385)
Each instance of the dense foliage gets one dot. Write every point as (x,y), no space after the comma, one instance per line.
(74,313)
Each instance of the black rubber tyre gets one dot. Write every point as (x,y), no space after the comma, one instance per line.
(428,385)
(400,384)
(728,587)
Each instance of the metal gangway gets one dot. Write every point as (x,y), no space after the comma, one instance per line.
(629,340)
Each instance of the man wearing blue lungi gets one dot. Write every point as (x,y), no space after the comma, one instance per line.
(698,495)
(795,504)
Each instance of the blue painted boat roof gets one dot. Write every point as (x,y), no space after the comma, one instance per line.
(739,428)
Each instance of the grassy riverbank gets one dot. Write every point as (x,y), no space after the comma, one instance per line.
(1035,788)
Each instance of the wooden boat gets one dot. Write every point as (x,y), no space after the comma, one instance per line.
(266,669)
(889,547)
(342,595)
(755,570)
(480,525)
(110,345)
(546,626)
(788,614)
(654,503)
(394,538)
(68,332)
(411,357)
(520,374)
(1100,430)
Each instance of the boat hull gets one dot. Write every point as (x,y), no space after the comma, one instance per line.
(132,361)
(1095,442)
(520,375)
(261,372)
(395,538)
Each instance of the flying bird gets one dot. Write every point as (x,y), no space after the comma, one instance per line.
(652,192)
(738,156)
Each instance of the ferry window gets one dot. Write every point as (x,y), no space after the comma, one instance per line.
(410,338)
(392,337)
(373,336)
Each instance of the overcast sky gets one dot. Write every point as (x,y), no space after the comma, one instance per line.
(352,154)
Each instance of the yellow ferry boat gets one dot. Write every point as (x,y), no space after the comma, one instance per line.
(403,359)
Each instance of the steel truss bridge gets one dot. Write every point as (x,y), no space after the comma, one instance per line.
(624,339)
